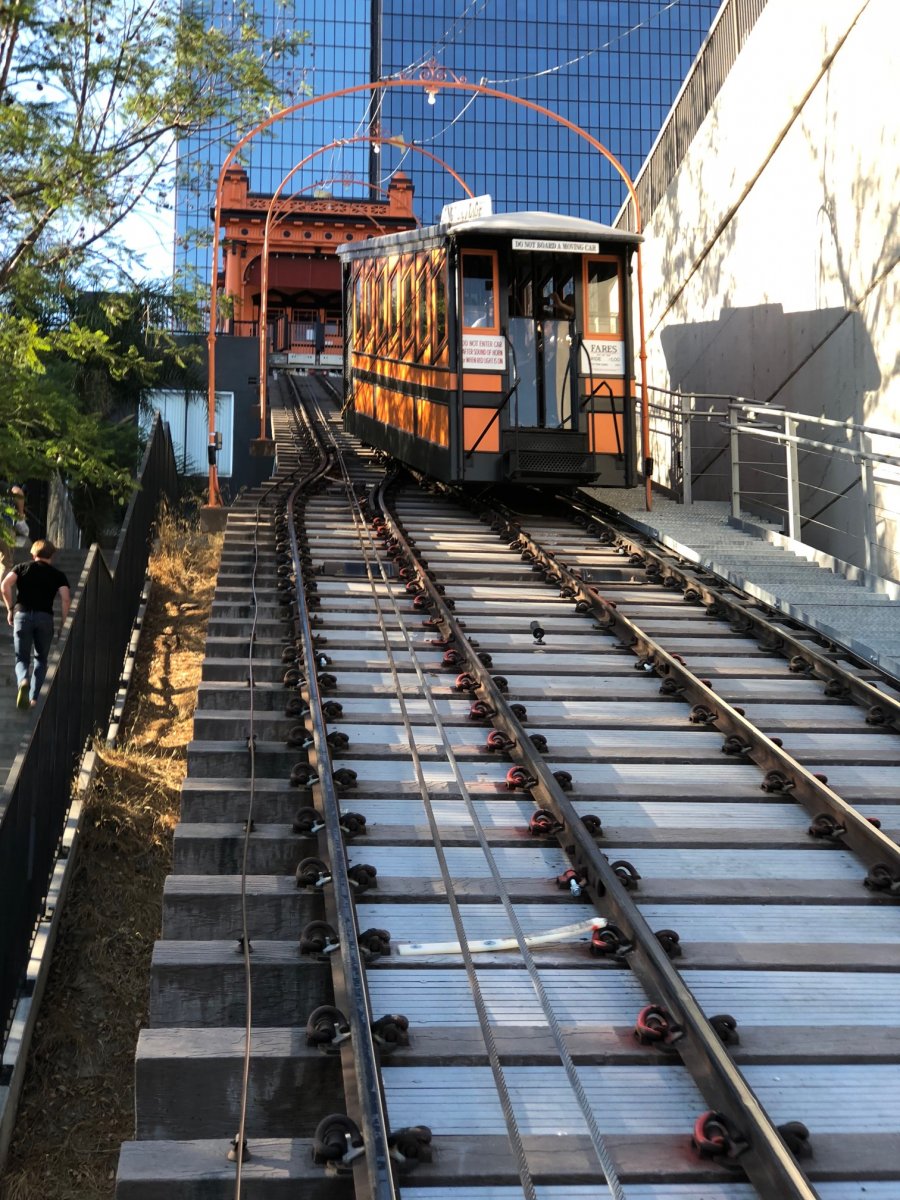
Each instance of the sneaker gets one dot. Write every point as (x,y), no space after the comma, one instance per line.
(22,695)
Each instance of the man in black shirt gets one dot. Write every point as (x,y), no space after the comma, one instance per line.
(29,591)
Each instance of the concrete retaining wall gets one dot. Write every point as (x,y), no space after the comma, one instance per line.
(771,266)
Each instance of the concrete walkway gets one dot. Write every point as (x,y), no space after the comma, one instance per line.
(15,724)
(862,618)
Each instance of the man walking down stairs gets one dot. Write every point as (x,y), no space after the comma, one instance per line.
(16,724)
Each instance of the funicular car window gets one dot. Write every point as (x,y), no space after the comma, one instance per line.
(602,297)
(479,290)
(439,267)
(407,295)
(423,340)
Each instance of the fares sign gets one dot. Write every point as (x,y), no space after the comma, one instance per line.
(607,358)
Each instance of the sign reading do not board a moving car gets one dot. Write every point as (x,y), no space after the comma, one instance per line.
(545,246)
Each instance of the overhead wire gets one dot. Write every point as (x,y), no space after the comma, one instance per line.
(446,38)
(571,62)
(374,103)
(450,33)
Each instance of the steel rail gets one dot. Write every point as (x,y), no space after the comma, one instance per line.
(767,1160)
(604,1157)
(860,690)
(378,1181)
(783,771)
(368,552)
(611,1175)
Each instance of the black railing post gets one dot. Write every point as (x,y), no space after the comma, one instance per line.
(78,696)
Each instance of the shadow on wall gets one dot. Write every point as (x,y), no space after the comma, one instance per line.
(820,363)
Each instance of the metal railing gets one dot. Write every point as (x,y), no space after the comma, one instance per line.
(833,485)
(714,60)
(77,697)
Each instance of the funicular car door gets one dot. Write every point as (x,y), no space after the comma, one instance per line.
(544,439)
(541,330)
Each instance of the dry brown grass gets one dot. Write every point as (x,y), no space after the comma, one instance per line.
(77,1106)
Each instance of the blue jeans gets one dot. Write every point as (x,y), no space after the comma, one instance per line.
(32,636)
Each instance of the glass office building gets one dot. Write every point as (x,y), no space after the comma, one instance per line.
(612,67)
(337,53)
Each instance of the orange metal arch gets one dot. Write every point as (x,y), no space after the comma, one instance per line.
(264,258)
(345,179)
(432,87)
(264,273)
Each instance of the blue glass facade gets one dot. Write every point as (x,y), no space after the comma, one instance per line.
(336,54)
(612,67)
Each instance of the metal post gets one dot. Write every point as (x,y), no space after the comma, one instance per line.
(867,480)
(687,469)
(734,450)
(792,478)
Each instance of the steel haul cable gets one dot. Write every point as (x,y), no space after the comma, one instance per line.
(238,1152)
(370,1097)
(612,1180)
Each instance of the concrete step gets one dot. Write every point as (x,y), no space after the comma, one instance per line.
(201,983)
(216,695)
(265,649)
(273,760)
(270,725)
(234,576)
(266,609)
(187,1083)
(209,906)
(241,593)
(279,1169)
(237,672)
(274,629)
(213,848)
(220,800)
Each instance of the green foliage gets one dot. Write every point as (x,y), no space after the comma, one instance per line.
(93,97)
(71,386)
(46,425)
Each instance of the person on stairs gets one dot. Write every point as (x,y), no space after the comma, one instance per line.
(29,590)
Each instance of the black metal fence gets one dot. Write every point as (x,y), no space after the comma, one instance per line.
(76,700)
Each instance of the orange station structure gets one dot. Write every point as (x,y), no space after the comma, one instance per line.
(305,315)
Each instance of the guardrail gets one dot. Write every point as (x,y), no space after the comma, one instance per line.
(832,484)
(76,699)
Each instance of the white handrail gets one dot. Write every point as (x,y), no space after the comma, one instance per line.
(783,439)
(675,412)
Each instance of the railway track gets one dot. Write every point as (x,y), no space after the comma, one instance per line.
(471,727)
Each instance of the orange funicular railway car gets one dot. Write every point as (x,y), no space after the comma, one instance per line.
(494,347)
